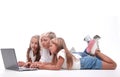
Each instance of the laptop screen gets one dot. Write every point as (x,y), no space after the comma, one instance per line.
(9,58)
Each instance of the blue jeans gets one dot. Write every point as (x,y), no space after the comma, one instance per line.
(90,62)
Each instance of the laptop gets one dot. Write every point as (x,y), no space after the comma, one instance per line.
(10,60)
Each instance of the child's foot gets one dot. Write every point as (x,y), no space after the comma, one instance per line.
(93,45)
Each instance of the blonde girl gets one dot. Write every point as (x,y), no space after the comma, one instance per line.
(63,59)
(45,43)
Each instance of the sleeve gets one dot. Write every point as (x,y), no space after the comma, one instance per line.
(62,54)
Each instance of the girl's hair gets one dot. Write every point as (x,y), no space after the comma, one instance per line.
(60,44)
(51,35)
(40,39)
(38,50)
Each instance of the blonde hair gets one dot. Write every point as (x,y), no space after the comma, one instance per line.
(60,44)
(41,36)
(51,35)
(38,50)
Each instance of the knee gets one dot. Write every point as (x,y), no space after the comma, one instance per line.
(109,66)
(114,65)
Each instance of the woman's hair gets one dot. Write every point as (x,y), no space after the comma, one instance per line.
(60,44)
(38,56)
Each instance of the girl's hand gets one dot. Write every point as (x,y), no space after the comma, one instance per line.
(21,63)
(34,65)
(27,64)
(40,66)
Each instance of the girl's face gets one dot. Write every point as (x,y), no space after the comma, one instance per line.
(45,41)
(34,45)
(53,48)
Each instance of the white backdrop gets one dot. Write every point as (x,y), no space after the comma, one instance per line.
(72,20)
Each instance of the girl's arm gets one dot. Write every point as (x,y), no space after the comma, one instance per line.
(52,67)
(36,64)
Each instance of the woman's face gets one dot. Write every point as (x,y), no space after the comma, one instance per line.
(53,48)
(34,45)
(45,41)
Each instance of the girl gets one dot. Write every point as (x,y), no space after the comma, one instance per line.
(33,52)
(62,58)
(45,42)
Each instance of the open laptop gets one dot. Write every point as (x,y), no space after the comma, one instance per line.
(10,60)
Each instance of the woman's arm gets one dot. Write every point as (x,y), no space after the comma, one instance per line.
(52,67)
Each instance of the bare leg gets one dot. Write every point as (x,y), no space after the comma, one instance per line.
(107,63)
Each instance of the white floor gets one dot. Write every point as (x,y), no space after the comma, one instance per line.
(61,73)
(58,73)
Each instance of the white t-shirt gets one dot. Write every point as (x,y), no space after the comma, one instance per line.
(32,56)
(76,63)
(45,55)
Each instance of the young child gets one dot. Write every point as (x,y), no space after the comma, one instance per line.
(63,59)
(33,52)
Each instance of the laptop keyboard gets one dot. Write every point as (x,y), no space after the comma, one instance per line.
(26,69)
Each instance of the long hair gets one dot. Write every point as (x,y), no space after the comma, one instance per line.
(38,56)
(60,44)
